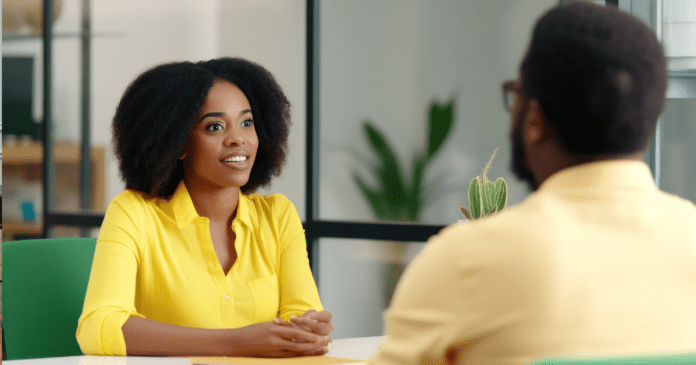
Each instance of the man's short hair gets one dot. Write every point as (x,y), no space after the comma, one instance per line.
(599,75)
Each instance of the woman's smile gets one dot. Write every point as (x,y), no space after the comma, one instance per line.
(237,161)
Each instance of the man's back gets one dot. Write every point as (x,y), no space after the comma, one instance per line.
(597,261)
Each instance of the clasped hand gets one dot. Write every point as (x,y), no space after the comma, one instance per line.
(309,335)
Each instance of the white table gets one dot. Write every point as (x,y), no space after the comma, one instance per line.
(361,348)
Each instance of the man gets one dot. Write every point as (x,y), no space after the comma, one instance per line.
(597,261)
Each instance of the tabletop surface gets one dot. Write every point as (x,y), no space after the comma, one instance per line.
(361,348)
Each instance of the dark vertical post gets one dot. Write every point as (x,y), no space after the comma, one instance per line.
(85,150)
(48,165)
(312,158)
(654,153)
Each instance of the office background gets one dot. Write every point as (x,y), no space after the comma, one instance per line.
(383,61)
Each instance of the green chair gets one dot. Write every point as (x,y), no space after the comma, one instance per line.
(633,360)
(44,286)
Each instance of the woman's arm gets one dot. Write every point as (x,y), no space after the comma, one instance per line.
(110,296)
(300,304)
(153,338)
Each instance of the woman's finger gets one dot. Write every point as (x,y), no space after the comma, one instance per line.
(318,352)
(300,335)
(306,348)
(281,322)
(312,325)
(323,316)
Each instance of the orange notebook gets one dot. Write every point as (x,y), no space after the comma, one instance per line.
(308,360)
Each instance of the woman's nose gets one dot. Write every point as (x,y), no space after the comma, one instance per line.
(233,137)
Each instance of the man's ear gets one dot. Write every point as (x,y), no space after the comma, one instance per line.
(536,130)
(182,155)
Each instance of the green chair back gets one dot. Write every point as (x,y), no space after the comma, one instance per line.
(44,286)
(632,360)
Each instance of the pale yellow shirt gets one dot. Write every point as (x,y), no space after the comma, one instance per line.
(597,261)
(155,259)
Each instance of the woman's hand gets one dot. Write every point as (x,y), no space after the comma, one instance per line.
(312,321)
(274,340)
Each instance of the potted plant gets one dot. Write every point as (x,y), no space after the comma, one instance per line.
(397,197)
(485,197)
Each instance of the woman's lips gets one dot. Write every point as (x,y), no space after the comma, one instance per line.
(236,162)
(235,159)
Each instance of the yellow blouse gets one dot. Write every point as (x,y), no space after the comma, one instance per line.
(155,259)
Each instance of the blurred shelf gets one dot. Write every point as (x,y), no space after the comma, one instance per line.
(11,229)
(25,159)
(32,153)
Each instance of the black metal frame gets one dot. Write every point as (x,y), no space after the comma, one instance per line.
(50,217)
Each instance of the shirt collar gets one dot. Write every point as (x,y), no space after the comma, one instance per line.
(602,175)
(244,209)
(184,212)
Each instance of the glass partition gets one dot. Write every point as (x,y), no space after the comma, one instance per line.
(356,282)
(386,64)
(679,148)
(678,123)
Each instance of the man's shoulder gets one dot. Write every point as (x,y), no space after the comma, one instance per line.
(526,227)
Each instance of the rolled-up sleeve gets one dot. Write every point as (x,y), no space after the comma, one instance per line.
(110,296)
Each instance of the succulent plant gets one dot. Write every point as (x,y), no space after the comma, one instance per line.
(485,197)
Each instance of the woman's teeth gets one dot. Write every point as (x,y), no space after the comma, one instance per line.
(235,159)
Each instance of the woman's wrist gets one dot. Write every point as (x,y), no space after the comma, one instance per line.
(231,342)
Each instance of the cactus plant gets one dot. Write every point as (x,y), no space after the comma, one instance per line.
(486,197)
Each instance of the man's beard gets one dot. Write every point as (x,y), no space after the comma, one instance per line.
(518,162)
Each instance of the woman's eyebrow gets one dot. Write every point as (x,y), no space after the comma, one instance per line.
(213,114)
(221,114)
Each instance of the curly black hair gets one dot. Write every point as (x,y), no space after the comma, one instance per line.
(599,75)
(158,110)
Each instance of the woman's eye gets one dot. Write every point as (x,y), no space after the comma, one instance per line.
(214,127)
(247,123)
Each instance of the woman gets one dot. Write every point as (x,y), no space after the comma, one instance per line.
(188,261)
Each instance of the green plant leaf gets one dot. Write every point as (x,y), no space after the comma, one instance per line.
(475,198)
(379,208)
(416,192)
(488,196)
(397,197)
(440,121)
(501,194)
(389,171)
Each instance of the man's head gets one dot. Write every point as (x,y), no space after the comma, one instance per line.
(596,78)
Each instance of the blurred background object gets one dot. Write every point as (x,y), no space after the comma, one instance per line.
(25,16)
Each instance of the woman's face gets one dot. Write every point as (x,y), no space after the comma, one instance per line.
(221,149)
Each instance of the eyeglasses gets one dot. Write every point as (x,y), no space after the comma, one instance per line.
(510,87)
